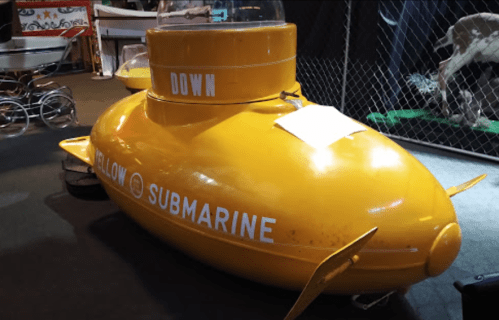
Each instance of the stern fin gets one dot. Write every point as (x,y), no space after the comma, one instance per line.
(78,147)
(452,191)
(329,268)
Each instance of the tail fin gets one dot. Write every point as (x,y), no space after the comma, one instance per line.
(445,41)
(330,267)
(452,191)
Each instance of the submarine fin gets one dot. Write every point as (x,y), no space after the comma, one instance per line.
(452,191)
(78,147)
(329,268)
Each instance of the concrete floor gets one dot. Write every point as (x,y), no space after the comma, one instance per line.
(66,258)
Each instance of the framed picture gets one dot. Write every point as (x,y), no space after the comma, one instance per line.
(50,18)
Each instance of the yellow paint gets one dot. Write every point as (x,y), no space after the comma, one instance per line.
(452,191)
(444,249)
(79,147)
(215,176)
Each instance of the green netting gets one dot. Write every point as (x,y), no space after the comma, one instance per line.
(392,118)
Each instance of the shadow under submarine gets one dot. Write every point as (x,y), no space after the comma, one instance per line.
(226,160)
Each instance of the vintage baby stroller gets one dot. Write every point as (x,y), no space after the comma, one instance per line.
(24,63)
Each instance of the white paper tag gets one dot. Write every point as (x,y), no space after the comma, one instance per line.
(319,126)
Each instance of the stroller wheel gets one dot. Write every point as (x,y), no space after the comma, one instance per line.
(57,110)
(14,119)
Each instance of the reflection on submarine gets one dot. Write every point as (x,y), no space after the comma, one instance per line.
(226,160)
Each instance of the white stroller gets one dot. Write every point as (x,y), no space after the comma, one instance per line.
(24,62)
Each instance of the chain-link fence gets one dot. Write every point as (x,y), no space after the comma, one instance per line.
(376,62)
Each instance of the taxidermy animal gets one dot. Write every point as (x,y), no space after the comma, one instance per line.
(474,38)
(454,100)
(487,94)
(470,110)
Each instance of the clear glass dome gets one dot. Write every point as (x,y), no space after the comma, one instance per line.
(135,72)
(139,61)
(219,14)
(130,55)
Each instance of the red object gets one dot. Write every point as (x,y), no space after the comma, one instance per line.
(57,4)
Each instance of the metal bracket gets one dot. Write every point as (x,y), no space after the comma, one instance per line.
(366,306)
(297,103)
(70,165)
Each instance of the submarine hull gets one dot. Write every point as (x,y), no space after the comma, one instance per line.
(240,193)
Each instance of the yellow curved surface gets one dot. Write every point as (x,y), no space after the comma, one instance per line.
(78,147)
(244,195)
(444,250)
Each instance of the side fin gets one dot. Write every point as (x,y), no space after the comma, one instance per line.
(452,191)
(78,147)
(329,268)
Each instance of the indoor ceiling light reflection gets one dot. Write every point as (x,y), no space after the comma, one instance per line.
(122,121)
(206,179)
(384,157)
(322,158)
(425,218)
(392,205)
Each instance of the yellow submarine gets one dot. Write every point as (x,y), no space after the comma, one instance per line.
(223,158)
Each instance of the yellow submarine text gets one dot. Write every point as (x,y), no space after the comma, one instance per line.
(214,217)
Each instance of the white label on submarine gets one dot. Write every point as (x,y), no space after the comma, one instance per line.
(319,126)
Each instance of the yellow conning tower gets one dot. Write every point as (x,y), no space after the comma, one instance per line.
(219,64)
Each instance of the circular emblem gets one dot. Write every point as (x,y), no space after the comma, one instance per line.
(136,185)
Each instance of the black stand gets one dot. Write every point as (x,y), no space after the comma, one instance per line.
(480,296)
